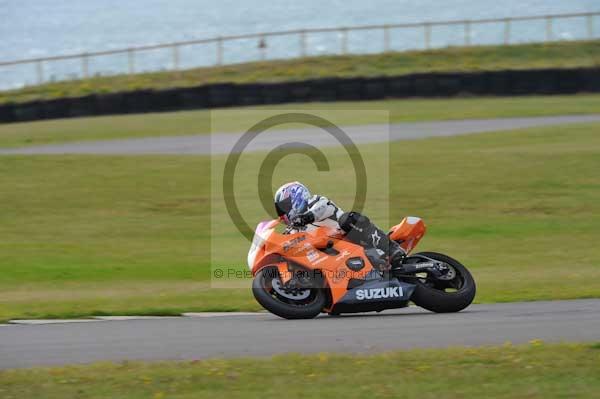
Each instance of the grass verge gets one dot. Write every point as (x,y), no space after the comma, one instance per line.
(536,370)
(489,58)
(198,122)
(84,235)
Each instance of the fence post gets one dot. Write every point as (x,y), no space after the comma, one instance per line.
(344,40)
(175,49)
(131,61)
(84,66)
(39,67)
(262,46)
(507,31)
(386,38)
(467,33)
(427,32)
(303,43)
(590,26)
(548,28)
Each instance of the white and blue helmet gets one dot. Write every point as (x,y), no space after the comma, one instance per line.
(291,200)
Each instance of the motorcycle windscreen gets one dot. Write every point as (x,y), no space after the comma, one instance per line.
(261,234)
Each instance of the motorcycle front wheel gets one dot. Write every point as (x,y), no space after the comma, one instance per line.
(304,303)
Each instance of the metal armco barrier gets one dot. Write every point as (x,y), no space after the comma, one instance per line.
(493,83)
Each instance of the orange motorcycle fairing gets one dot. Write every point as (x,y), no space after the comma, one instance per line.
(408,232)
(322,250)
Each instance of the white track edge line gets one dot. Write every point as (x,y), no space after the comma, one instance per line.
(127,318)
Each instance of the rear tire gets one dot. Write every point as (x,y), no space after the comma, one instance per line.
(264,294)
(440,301)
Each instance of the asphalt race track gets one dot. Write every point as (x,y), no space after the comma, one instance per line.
(261,334)
(222,143)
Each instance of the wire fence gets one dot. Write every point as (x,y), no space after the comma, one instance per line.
(288,44)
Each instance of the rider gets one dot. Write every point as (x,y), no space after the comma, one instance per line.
(301,211)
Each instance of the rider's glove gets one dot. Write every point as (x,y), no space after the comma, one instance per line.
(303,219)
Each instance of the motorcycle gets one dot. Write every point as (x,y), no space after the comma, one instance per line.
(301,274)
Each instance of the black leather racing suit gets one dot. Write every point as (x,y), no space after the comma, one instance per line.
(358,229)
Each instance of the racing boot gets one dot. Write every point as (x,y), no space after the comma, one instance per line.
(397,254)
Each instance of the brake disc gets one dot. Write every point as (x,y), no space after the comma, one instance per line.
(296,294)
(450,273)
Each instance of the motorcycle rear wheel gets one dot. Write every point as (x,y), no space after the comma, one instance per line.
(267,292)
(433,295)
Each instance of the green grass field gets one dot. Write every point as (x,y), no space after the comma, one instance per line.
(524,56)
(536,370)
(83,235)
(198,122)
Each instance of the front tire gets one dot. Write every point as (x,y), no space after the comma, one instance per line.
(434,297)
(266,288)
